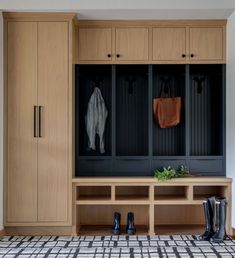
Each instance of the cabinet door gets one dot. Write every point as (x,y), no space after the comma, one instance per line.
(169,44)
(21,144)
(95,44)
(206,43)
(132,44)
(53,177)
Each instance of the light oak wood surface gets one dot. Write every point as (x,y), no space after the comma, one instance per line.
(21,188)
(169,44)
(94,44)
(159,42)
(38,231)
(39,16)
(53,145)
(206,43)
(38,59)
(155,203)
(131,44)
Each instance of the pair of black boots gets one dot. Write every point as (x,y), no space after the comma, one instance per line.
(215,217)
(130,227)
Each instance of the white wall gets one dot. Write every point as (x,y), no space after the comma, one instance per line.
(129,9)
(1,121)
(230,106)
(114,4)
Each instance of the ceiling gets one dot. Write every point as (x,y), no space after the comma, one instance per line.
(129,9)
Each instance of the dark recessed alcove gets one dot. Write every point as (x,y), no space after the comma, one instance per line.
(132,110)
(206,110)
(87,78)
(134,144)
(169,141)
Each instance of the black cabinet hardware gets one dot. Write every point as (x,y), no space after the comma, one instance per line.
(34,121)
(40,122)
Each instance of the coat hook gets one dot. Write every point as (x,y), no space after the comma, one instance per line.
(130,80)
(165,82)
(199,83)
(97,81)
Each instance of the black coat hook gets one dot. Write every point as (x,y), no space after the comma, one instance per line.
(130,80)
(165,81)
(199,83)
(97,80)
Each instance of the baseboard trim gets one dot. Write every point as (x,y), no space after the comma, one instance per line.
(233,233)
(39,231)
(2,232)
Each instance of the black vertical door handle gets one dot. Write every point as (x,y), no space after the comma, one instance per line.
(35,121)
(40,122)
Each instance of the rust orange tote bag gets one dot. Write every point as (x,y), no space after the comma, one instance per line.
(166,110)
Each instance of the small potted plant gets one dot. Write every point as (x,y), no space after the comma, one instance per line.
(168,173)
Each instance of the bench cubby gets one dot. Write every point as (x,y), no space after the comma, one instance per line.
(174,205)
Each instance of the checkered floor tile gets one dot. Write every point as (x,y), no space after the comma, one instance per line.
(114,246)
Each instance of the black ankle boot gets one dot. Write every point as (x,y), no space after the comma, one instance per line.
(209,212)
(130,227)
(116,229)
(221,206)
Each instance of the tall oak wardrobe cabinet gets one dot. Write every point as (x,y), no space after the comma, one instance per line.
(38,116)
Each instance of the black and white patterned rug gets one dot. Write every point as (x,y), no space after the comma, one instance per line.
(114,247)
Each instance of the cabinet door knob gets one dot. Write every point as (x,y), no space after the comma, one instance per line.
(192,55)
(109,55)
(117,55)
(183,55)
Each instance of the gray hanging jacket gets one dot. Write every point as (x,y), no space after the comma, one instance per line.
(95,119)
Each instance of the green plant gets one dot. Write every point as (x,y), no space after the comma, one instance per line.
(169,173)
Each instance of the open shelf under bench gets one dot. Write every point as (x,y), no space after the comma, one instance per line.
(153,202)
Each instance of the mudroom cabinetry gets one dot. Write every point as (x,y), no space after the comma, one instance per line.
(152,42)
(169,44)
(131,44)
(167,207)
(54,182)
(107,44)
(21,179)
(135,145)
(38,120)
(207,43)
(95,44)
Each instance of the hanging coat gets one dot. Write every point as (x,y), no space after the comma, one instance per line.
(95,119)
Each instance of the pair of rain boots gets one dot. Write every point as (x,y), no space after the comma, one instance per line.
(130,227)
(215,218)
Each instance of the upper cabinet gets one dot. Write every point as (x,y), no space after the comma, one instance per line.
(132,44)
(206,44)
(169,44)
(153,42)
(94,44)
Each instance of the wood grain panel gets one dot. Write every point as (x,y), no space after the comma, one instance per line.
(94,44)
(178,215)
(103,215)
(206,43)
(53,145)
(165,211)
(38,231)
(21,146)
(131,44)
(169,44)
